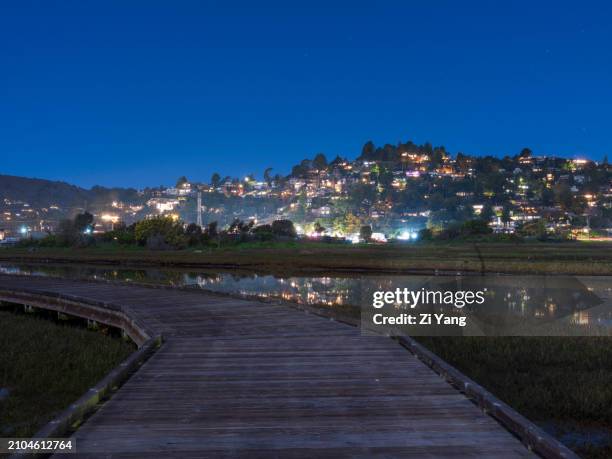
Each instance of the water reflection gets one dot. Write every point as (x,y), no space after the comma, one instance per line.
(513,303)
(512,306)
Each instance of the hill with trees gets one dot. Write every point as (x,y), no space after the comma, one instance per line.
(46,193)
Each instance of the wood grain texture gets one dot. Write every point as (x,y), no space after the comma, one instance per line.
(239,378)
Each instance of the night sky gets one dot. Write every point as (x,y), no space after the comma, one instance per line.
(139,93)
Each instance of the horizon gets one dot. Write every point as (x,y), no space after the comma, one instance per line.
(123,95)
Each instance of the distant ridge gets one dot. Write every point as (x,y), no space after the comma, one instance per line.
(45,193)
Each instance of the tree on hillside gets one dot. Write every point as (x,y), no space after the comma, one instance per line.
(215,180)
(337,161)
(181,181)
(437,157)
(319,162)
(547,197)
(267,177)
(463,162)
(505,216)
(367,152)
(280,180)
(487,213)
(563,196)
(302,169)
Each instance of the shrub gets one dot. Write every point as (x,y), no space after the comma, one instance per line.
(263,233)
(425,234)
(193,234)
(48,241)
(467,229)
(475,227)
(365,233)
(122,234)
(284,228)
(160,232)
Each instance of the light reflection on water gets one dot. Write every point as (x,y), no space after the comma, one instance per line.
(580,301)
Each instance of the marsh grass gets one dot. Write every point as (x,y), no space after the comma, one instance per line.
(293,258)
(550,380)
(46,366)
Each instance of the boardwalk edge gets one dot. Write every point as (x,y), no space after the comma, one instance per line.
(86,405)
(530,434)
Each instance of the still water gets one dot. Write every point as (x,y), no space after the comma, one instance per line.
(515,305)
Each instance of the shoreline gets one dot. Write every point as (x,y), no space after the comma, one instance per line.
(594,259)
(301,272)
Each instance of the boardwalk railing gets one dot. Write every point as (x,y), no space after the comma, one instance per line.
(106,313)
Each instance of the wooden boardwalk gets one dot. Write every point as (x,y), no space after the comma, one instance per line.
(239,378)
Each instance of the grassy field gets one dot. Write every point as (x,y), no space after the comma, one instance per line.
(46,366)
(563,384)
(586,258)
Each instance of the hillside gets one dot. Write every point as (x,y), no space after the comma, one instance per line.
(40,193)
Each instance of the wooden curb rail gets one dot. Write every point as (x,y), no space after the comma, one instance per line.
(532,436)
(79,410)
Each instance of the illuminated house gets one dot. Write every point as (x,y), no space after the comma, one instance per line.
(163,204)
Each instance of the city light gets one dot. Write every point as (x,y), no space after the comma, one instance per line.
(323,195)
(408,235)
(379,237)
(110,218)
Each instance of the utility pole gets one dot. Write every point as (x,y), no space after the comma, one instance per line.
(588,227)
(199,209)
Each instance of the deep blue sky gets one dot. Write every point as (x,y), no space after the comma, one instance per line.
(128,93)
